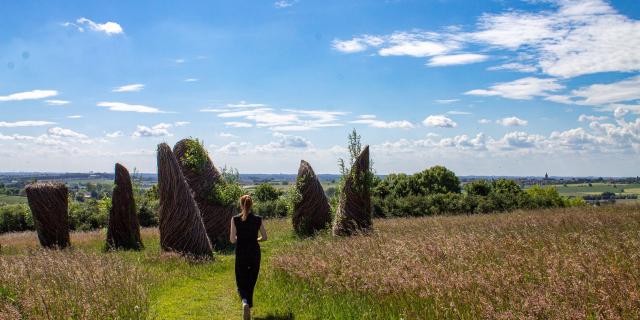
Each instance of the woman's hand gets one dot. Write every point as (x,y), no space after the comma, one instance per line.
(263,233)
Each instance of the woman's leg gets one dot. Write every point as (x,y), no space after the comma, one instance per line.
(252,279)
(242,276)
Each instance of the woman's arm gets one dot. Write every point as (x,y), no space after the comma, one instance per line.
(263,233)
(232,234)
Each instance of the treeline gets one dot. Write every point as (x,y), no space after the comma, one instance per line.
(437,190)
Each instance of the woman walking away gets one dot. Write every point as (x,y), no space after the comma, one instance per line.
(244,233)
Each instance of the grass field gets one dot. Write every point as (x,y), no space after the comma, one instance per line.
(12,199)
(564,263)
(596,188)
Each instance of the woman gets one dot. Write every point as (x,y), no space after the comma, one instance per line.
(244,233)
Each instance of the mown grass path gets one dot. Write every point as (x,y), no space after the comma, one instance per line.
(208,290)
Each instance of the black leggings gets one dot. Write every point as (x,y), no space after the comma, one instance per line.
(247,269)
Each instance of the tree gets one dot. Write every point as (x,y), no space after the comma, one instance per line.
(505,186)
(266,192)
(436,179)
(478,188)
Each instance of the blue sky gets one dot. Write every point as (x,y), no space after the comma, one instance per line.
(482,87)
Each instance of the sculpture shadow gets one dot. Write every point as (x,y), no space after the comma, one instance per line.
(288,316)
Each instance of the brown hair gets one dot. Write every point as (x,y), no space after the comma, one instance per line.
(245,205)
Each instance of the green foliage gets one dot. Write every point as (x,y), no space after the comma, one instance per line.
(266,192)
(89,215)
(544,197)
(230,174)
(505,186)
(226,194)
(16,217)
(478,188)
(278,208)
(436,179)
(195,155)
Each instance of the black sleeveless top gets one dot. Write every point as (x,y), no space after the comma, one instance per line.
(247,234)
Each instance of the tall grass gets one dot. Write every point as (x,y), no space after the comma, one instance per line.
(563,263)
(71,284)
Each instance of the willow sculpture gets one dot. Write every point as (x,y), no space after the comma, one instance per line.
(181,227)
(203,177)
(49,203)
(124,228)
(354,210)
(311,210)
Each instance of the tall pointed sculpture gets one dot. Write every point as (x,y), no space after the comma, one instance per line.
(354,211)
(49,202)
(311,211)
(181,227)
(202,176)
(124,229)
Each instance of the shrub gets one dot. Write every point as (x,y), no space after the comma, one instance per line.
(271,209)
(266,192)
(16,217)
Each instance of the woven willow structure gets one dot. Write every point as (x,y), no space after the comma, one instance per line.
(201,179)
(354,211)
(181,227)
(311,212)
(124,229)
(49,203)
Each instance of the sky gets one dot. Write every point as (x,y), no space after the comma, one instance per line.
(484,88)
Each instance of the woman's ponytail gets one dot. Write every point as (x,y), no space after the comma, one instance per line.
(245,205)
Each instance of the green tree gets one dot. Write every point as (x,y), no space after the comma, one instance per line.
(435,180)
(266,192)
(478,188)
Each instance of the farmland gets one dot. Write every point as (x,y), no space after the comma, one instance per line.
(575,262)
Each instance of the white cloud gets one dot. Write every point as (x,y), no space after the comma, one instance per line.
(523,89)
(115,134)
(456,59)
(459,113)
(484,121)
(567,39)
(281,4)
(125,107)
(279,120)
(159,130)
(447,101)
(28,123)
(76,116)
(181,123)
(519,139)
(512,122)
(191,80)
(227,135)
(66,133)
(598,94)
(439,121)
(588,118)
(109,28)
(234,124)
(620,112)
(56,102)
(29,95)
(514,66)
(129,88)
(15,137)
(402,124)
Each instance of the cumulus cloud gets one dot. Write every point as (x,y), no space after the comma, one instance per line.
(371,121)
(135,87)
(109,27)
(234,124)
(589,118)
(159,130)
(65,133)
(115,134)
(125,107)
(29,95)
(512,122)
(440,121)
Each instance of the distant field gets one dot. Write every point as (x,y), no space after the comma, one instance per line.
(596,188)
(12,199)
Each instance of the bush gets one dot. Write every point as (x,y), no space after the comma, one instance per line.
(16,217)
(266,192)
(89,215)
(478,188)
(271,209)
